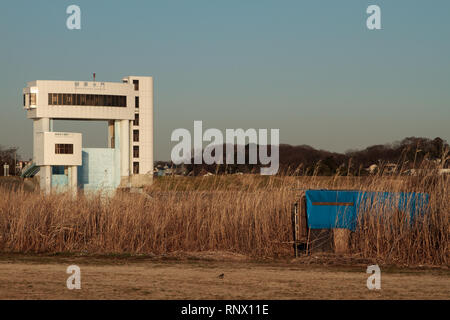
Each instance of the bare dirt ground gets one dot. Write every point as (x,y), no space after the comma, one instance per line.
(197,277)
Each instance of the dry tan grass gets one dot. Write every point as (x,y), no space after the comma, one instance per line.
(243,214)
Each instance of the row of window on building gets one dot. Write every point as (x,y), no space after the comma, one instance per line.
(63,99)
(75,99)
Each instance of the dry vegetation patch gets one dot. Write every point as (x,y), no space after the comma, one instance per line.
(245,215)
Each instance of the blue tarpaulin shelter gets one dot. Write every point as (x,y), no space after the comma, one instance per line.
(328,209)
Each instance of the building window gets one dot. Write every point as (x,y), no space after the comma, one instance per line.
(63,148)
(32,99)
(135,167)
(136,119)
(136,102)
(24,100)
(136,85)
(89,100)
(136,135)
(135,151)
(68,99)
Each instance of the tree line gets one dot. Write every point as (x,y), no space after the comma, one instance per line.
(408,153)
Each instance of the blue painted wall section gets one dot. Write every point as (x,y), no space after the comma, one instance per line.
(60,182)
(327,209)
(99,170)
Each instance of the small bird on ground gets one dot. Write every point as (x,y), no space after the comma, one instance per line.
(221,276)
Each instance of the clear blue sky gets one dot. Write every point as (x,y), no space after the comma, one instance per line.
(310,68)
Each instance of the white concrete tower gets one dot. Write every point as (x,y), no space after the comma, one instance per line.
(60,157)
(141,130)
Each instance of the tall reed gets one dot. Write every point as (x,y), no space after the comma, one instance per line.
(246,214)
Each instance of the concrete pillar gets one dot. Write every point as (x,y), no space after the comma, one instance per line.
(73,179)
(45,179)
(117,153)
(341,240)
(146,124)
(124,148)
(45,172)
(151,158)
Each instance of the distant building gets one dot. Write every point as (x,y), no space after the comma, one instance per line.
(60,158)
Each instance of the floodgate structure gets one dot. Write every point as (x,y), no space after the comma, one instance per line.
(59,158)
